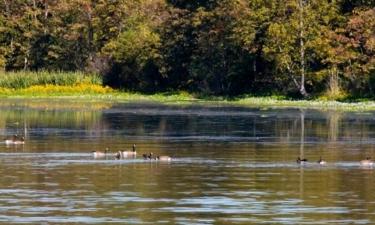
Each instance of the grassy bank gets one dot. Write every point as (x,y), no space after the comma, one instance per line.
(25,79)
(98,93)
(44,84)
(89,88)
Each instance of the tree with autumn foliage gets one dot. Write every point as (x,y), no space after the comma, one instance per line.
(218,47)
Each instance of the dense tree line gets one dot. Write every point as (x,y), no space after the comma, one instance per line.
(226,47)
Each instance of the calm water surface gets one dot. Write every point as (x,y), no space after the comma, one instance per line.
(231,165)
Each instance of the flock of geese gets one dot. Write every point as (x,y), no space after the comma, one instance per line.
(129,154)
(365,162)
(15,139)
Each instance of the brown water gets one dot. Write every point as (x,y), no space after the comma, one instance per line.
(231,165)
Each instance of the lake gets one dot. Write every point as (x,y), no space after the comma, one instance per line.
(231,165)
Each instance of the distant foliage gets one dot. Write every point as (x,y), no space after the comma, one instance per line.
(300,48)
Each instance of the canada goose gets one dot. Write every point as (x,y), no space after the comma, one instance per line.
(100,154)
(126,154)
(118,155)
(147,156)
(301,161)
(15,140)
(367,162)
(321,161)
(163,158)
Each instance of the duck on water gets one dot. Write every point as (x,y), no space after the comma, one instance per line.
(15,140)
(321,161)
(367,162)
(150,156)
(301,161)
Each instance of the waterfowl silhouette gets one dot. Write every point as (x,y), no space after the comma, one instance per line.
(301,161)
(367,162)
(100,154)
(126,154)
(147,156)
(321,161)
(15,140)
(118,155)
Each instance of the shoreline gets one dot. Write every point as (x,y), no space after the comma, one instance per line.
(184,98)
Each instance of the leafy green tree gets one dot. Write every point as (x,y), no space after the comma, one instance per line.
(219,65)
(209,46)
(360,31)
(20,26)
(3,42)
(292,37)
(178,41)
(200,51)
(135,51)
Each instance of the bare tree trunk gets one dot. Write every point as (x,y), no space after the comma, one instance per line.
(90,29)
(26,62)
(11,44)
(302,89)
(301,85)
(46,11)
(90,38)
(291,75)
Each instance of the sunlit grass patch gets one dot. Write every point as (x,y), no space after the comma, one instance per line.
(57,90)
(315,104)
(163,97)
(25,79)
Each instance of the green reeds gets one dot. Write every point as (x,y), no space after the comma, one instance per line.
(25,79)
